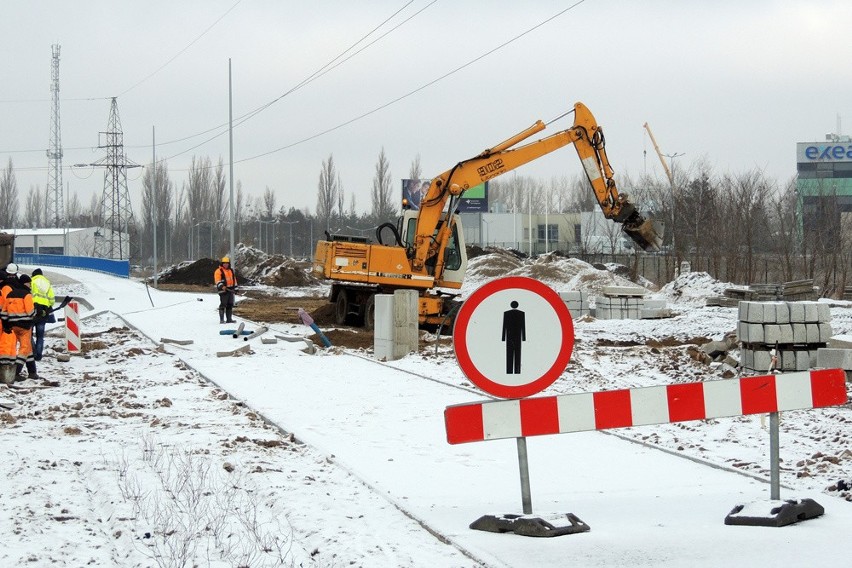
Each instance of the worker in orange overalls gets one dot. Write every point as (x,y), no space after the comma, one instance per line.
(16,314)
(226,282)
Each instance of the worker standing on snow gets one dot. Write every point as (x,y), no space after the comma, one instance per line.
(226,282)
(43,300)
(7,340)
(16,314)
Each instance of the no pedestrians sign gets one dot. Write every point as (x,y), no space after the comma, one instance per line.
(513,337)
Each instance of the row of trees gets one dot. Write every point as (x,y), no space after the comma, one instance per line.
(726,224)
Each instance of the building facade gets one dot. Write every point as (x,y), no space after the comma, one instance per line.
(824,189)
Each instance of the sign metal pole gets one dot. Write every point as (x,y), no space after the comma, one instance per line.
(523,465)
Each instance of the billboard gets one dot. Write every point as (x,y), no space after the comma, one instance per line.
(474,200)
(823,152)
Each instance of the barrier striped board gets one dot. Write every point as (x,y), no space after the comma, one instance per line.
(536,416)
(72,326)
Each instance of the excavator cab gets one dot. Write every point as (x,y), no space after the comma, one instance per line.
(454,253)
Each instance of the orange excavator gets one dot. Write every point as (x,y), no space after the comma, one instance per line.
(426,250)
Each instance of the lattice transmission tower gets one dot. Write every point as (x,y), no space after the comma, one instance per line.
(116,212)
(55,202)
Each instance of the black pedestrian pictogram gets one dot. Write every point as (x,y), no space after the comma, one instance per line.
(514,333)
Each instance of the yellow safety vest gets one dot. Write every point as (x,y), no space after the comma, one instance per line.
(42,291)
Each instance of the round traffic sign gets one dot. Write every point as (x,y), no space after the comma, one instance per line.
(513,337)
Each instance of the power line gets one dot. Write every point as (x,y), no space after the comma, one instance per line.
(181,52)
(416,90)
(330,65)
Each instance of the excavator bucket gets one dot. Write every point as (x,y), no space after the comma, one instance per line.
(646,233)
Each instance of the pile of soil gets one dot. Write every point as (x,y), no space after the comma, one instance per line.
(197,273)
(273,270)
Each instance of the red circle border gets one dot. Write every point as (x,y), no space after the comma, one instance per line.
(460,337)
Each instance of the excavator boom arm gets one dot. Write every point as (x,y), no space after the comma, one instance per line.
(432,234)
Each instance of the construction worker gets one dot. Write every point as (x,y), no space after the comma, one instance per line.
(16,315)
(226,283)
(43,300)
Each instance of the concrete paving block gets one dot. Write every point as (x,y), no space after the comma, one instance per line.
(830,358)
(824,332)
(655,313)
(575,295)
(813,332)
(755,333)
(782,312)
(762,360)
(813,355)
(811,312)
(769,312)
(624,291)
(742,332)
(747,358)
(742,311)
(800,332)
(777,333)
(823,312)
(840,341)
(653,304)
(755,312)
(803,360)
(797,312)
(787,361)
(602,301)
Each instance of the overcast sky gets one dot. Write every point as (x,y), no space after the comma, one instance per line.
(734,83)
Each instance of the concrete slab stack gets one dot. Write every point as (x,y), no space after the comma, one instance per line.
(797,328)
(619,302)
(577,302)
(654,309)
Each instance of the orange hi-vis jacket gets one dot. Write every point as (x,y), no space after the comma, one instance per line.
(16,306)
(224,276)
(16,312)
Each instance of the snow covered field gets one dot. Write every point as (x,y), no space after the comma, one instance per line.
(169,456)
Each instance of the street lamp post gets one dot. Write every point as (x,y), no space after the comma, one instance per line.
(290,231)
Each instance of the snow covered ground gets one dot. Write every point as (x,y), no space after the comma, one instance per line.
(150,455)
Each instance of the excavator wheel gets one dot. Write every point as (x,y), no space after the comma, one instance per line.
(341,308)
(369,312)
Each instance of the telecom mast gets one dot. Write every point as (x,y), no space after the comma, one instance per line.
(55,202)
(116,212)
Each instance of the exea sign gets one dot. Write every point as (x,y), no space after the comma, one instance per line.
(828,152)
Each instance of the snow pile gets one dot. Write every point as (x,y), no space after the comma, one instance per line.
(558,272)
(693,288)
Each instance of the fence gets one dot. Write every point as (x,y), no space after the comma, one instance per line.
(106,265)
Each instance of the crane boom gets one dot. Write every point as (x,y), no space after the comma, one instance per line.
(660,154)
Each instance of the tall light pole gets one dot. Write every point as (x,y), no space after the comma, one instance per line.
(290,229)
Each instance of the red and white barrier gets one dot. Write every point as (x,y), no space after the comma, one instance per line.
(72,326)
(640,406)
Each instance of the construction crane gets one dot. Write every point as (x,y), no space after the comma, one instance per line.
(660,154)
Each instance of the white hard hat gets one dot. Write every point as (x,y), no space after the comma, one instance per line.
(12,268)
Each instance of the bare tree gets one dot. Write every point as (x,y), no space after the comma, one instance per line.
(34,212)
(8,197)
(218,191)
(74,213)
(198,189)
(341,197)
(384,208)
(268,203)
(327,190)
(157,195)
(414,172)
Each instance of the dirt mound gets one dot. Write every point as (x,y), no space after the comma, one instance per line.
(273,270)
(196,273)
